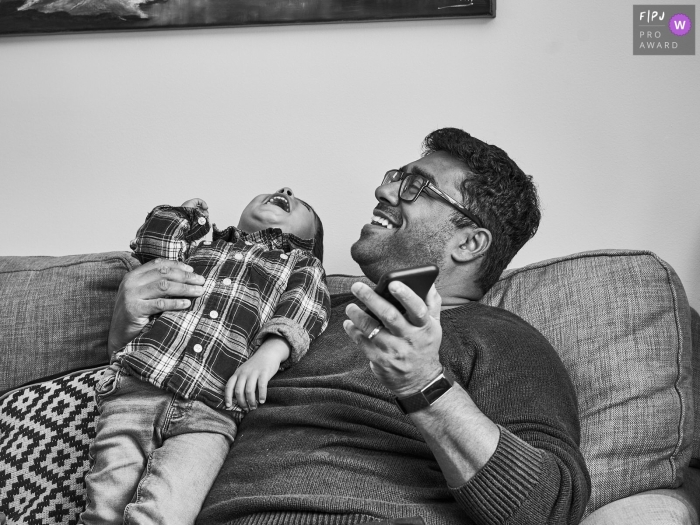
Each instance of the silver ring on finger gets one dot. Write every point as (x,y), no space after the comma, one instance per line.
(374,332)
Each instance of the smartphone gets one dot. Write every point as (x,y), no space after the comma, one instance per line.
(419,279)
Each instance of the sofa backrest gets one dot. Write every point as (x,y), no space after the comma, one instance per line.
(695,329)
(55,313)
(620,321)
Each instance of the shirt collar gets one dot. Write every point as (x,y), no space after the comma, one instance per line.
(273,238)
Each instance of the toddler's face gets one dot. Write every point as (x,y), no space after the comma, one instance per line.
(281,209)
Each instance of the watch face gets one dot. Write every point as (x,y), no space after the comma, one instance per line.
(433,392)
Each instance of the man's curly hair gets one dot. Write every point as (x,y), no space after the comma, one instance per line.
(498,191)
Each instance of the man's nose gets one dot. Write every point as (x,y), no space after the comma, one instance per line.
(388,193)
(286,191)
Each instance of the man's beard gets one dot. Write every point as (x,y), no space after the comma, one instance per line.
(378,254)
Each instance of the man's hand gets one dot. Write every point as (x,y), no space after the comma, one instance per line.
(404,354)
(157,286)
(405,358)
(253,375)
(197,203)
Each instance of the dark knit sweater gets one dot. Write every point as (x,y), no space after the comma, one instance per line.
(330,446)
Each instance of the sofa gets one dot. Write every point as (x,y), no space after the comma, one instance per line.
(619,319)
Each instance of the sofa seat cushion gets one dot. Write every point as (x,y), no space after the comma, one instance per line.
(620,321)
(45,433)
(56,312)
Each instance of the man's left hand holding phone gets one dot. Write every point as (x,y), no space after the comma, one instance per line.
(404,351)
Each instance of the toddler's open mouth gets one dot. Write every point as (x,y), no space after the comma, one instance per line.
(280,201)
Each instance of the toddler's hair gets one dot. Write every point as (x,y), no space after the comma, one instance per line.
(318,237)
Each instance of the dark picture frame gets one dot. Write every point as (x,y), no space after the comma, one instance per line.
(23,17)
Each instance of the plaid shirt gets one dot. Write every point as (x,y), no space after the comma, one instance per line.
(258,284)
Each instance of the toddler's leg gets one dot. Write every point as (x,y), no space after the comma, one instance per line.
(180,473)
(125,436)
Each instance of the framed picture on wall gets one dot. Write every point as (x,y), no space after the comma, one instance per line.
(19,17)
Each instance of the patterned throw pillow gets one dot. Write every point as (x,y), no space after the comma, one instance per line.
(45,432)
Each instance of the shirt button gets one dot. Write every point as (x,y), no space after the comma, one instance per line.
(227,281)
(207,243)
(213,314)
(197,348)
(202,221)
(284,256)
(238,256)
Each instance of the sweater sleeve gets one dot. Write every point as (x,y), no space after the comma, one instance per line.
(303,311)
(537,474)
(525,484)
(169,233)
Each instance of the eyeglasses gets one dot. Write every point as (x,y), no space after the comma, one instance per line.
(412,184)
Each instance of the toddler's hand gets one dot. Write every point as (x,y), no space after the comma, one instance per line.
(197,203)
(251,377)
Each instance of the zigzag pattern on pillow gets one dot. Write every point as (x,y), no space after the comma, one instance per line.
(45,434)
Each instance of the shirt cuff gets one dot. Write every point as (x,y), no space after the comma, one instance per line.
(496,492)
(292,331)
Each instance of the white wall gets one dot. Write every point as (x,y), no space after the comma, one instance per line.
(97,129)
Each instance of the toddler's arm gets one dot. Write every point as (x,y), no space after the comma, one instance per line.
(303,310)
(251,377)
(169,231)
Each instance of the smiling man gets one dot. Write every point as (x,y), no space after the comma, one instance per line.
(457,413)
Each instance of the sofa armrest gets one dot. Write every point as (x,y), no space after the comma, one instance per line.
(679,506)
(642,509)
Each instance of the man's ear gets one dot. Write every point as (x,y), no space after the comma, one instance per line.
(474,243)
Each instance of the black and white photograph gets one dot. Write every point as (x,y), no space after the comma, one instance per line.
(56,16)
(284,262)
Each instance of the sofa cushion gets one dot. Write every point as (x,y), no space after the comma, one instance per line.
(56,312)
(620,321)
(45,434)
(695,324)
(341,283)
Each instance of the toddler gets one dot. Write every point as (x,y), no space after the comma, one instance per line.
(171,400)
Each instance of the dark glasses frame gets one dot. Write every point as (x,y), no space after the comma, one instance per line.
(409,179)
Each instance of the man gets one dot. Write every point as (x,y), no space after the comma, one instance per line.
(456,413)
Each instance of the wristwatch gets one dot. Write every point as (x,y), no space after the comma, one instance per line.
(428,395)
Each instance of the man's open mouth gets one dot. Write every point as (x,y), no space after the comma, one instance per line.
(384,222)
(280,201)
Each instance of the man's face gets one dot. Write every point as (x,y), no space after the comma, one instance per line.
(281,209)
(404,234)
